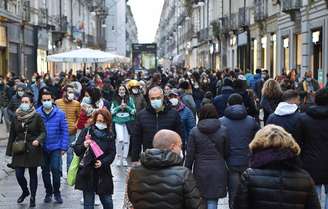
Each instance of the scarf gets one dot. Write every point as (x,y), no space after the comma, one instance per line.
(265,157)
(25,116)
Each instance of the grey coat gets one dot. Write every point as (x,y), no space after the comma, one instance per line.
(207,151)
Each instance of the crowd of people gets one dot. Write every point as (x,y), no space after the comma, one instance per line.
(190,137)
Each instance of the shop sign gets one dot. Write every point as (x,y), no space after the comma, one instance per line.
(3,37)
(242,39)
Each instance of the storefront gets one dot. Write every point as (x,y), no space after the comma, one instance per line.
(43,40)
(29,52)
(14,33)
(243,51)
(3,50)
(316,55)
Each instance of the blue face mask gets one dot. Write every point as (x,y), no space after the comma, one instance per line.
(47,105)
(156,104)
(24,107)
(86,100)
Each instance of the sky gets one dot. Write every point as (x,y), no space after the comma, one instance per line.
(146,14)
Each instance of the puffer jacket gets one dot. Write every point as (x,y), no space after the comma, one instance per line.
(287,116)
(72,111)
(241,130)
(314,126)
(220,102)
(187,119)
(207,151)
(161,183)
(148,122)
(276,184)
(57,130)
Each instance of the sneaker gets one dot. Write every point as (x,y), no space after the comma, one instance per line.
(97,201)
(48,198)
(125,163)
(58,199)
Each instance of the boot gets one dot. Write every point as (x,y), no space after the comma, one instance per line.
(23,196)
(32,202)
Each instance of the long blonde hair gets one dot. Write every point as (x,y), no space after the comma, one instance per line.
(271,89)
(272,136)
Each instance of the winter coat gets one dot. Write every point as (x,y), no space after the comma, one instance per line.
(4,99)
(72,111)
(14,103)
(314,127)
(258,85)
(123,117)
(241,130)
(188,121)
(207,152)
(161,183)
(35,130)
(139,101)
(269,106)
(57,130)
(148,122)
(198,95)
(220,102)
(189,101)
(36,92)
(277,184)
(287,116)
(90,179)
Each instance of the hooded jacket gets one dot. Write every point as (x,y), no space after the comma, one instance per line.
(207,151)
(314,127)
(148,122)
(161,183)
(287,116)
(236,118)
(57,130)
(220,102)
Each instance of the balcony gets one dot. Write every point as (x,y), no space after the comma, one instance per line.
(291,6)
(234,22)
(203,35)
(260,10)
(43,17)
(225,24)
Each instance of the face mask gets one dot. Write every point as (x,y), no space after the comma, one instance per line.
(24,107)
(47,105)
(89,111)
(308,79)
(86,100)
(174,101)
(33,80)
(101,126)
(20,93)
(181,154)
(135,91)
(70,97)
(121,94)
(156,104)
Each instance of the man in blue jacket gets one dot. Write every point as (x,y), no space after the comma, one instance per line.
(55,145)
(241,130)
(186,115)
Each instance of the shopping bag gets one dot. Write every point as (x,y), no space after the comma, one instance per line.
(72,171)
(97,151)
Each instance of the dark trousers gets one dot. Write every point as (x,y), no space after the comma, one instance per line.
(89,200)
(52,164)
(22,180)
(235,173)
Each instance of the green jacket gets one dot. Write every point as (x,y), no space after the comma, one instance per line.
(122,117)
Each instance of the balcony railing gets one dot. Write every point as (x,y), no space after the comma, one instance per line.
(244,17)
(260,10)
(234,22)
(289,6)
(225,24)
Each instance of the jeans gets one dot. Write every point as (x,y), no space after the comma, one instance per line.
(89,200)
(70,151)
(122,141)
(212,204)
(233,182)
(53,164)
(1,114)
(319,190)
(22,180)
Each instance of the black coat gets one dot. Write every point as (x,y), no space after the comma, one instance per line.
(33,156)
(89,178)
(269,106)
(314,126)
(14,103)
(148,123)
(207,151)
(276,185)
(161,183)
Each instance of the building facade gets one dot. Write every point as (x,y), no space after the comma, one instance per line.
(32,29)
(276,35)
(122,29)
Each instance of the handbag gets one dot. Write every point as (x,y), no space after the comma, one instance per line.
(72,171)
(19,147)
(97,151)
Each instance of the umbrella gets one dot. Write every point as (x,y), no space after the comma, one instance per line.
(84,55)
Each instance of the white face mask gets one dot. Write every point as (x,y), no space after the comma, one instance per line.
(174,101)
(70,97)
(101,126)
(135,91)
(181,154)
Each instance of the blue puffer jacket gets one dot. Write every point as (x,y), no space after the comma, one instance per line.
(220,102)
(241,130)
(188,121)
(57,130)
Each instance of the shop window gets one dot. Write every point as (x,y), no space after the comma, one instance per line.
(286,55)
(316,58)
